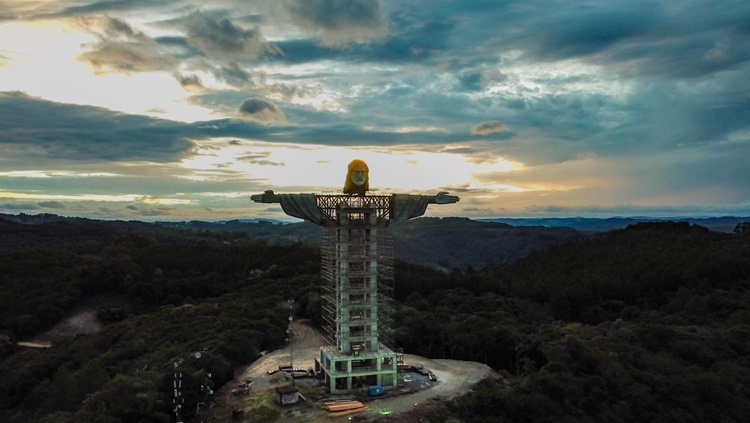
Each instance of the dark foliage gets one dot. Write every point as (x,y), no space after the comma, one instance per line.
(742,229)
(649,323)
(164,294)
(644,267)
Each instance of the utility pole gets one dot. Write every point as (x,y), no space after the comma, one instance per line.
(289,338)
(178,399)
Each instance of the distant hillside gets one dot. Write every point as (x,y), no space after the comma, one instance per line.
(718,224)
(440,243)
(452,242)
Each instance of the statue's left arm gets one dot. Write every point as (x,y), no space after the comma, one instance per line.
(407,206)
(443,198)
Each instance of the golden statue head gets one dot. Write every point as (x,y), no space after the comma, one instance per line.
(357,178)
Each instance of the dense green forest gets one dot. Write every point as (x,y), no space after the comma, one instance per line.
(649,323)
(163,295)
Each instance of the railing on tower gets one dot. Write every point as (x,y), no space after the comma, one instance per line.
(329,203)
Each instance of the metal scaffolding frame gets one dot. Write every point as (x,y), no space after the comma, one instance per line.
(328,204)
(357,263)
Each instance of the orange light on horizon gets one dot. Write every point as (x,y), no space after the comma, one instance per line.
(324,167)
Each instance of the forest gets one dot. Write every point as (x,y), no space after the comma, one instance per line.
(646,323)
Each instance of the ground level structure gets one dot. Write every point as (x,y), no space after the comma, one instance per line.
(454,378)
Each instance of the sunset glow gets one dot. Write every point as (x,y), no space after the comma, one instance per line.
(110,108)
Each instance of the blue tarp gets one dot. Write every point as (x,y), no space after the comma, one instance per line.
(376,390)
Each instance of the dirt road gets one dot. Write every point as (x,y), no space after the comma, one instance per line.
(82,322)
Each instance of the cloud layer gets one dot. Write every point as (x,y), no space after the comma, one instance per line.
(598,107)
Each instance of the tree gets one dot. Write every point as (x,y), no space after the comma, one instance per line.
(742,229)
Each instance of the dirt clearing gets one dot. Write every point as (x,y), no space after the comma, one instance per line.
(454,378)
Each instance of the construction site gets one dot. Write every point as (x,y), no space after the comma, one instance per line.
(354,362)
(414,389)
(351,367)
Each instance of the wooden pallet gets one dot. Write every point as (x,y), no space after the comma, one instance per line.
(344,408)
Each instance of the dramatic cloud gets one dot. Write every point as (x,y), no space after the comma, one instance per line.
(189,82)
(340,22)
(204,43)
(262,111)
(485,128)
(32,127)
(525,107)
(231,73)
(16,207)
(51,204)
(221,37)
(123,48)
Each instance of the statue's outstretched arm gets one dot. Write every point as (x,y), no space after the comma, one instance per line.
(407,206)
(303,206)
(266,197)
(444,198)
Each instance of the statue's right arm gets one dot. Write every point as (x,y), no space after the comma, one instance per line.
(266,197)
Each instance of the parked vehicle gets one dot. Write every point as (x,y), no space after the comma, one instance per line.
(240,391)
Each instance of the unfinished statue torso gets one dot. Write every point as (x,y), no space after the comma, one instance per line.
(402,206)
(305,206)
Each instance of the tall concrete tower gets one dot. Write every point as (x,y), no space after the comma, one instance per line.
(357,271)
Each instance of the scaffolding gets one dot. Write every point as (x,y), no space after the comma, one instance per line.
(357,292)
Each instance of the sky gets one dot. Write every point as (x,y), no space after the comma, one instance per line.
(178,110)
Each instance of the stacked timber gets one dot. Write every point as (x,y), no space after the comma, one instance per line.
(344,408)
